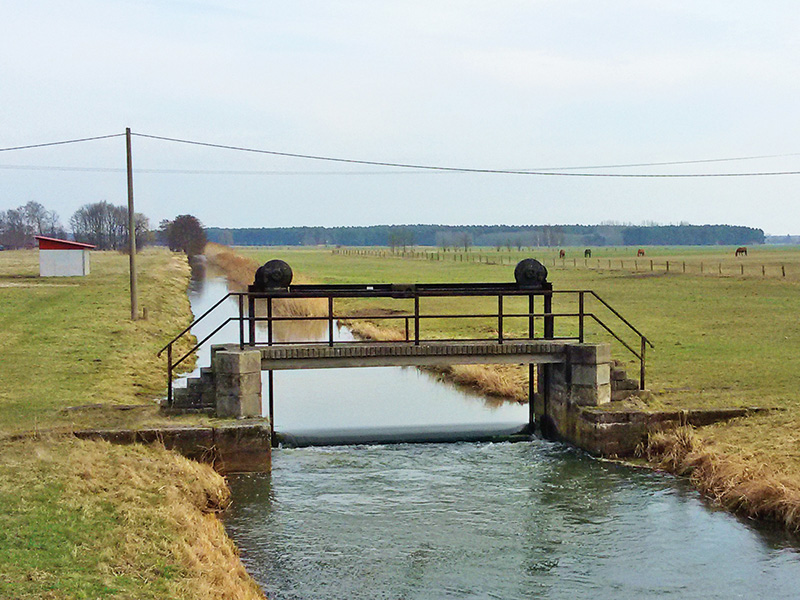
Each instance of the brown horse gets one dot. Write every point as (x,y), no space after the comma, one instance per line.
(587,253)
(640,252)
(741,251)
(561,254)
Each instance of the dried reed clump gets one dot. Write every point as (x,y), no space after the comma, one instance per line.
(740,484)
(240,272)
(508,382)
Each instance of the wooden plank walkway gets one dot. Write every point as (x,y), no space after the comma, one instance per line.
(393,354)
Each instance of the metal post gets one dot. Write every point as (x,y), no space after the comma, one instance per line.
(251,318)
(416,320)
(500,318)
(270,396)
(406,320)
(241,322)
(642,366)
(581,316)
(531,394)
(330,321)
(169,375)
(131,230)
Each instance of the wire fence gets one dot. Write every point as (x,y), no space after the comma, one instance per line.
(734,267)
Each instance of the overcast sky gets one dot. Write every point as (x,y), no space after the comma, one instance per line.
(502,85)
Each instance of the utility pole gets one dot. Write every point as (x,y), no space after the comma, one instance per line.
(131,230)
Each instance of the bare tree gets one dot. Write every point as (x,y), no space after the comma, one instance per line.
(19,225)
(106,226)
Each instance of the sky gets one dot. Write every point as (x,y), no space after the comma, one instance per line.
(559,87)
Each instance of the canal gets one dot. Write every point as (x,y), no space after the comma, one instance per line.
(534,519)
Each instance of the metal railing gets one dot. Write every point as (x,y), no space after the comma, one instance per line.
(414,318)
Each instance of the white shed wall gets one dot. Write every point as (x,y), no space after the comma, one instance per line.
(63,263)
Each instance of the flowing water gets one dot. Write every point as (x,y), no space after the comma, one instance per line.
(477,520)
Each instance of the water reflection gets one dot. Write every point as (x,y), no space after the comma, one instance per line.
(327,399)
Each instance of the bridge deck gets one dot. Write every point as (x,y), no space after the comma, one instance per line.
(390,354)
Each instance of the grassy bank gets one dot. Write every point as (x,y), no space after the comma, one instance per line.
(721,341)
(87,519)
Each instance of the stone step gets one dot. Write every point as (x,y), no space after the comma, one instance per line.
(624,384)
(184,398)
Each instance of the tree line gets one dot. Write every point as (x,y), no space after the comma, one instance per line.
(101,224)
(498,236)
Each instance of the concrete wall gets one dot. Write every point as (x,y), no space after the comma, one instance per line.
(63,263)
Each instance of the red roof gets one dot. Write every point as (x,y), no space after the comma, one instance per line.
(47,243)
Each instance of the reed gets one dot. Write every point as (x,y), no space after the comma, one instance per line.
(736,482)
(240,272)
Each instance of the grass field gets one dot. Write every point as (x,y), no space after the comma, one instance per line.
(719,341)
(87,519)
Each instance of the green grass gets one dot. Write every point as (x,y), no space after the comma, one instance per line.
(87,519)
(70,341)
(719,341)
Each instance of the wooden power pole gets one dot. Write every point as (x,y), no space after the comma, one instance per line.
(131,230)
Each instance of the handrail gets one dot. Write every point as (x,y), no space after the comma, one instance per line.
(410,292)
(196,321)
(621,318)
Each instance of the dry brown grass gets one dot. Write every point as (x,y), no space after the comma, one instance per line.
(504,382)
(164,535)
(736,482)
(240,272)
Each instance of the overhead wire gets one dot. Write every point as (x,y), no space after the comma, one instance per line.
(409,167)
(61,143)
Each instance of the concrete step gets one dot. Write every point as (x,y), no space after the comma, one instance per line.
(624,384)
(184,398)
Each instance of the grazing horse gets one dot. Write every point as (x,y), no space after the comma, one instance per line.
(741,251)
(640,252)
(561,254)
(587,253)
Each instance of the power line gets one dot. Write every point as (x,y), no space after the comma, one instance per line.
(418,171)
(89,139)
(541,172)
(197,171)
(545,171)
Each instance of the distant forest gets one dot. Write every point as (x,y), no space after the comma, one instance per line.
(498,236)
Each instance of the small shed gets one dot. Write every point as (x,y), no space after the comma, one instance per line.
(62,258)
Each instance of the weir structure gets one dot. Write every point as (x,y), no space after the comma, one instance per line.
(564,371)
